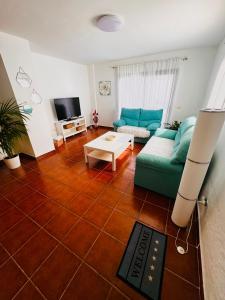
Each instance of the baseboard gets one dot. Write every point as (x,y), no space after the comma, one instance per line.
(25,155)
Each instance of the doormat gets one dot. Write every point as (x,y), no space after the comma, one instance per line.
(143,261)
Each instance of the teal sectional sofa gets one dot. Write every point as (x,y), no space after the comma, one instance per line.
(142,123)
(160,164)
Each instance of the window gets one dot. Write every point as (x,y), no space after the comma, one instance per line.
(148,85)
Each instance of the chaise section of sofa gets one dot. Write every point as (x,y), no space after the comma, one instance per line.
(160,164)
(142,123)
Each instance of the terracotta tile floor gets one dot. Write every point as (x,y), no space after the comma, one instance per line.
(64,228)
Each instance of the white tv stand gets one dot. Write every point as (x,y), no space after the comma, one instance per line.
(72,127)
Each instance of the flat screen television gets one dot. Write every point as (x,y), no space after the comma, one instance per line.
(67,108)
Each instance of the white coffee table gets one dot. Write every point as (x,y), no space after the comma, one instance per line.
(103,149)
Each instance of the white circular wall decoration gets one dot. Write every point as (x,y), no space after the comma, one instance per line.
(105,88)
(23,79)
(36,97)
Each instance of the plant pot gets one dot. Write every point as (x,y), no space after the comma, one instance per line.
(13,163)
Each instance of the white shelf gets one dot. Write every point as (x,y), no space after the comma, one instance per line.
(98,154)
(67,132)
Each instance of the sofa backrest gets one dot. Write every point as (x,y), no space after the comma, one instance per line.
(141,117)
(148,117)
(130,115)
(183,140)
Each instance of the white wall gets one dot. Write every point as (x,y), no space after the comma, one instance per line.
(191,86)
(57,78)
(15,52)
(212,218)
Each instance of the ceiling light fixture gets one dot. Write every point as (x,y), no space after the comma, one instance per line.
(110,23)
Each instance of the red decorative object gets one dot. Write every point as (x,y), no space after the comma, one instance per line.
(95,119)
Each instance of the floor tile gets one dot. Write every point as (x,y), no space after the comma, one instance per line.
(175,288)
(130,205)
(98,214)
(28,292)
(9,219)
(45,212)
(105,256)
(31,202)
(116,295)
(154,216)
(105,176)
(110,196)
(172,229)
(12,279)
(10,187)
(136,191)
(94,188)
(41,244)
(159,200)
(60,266)
(81,238)
(120,226)
(61,224)
(87,285)
(3,255)
(18,194)
(80,204)
(18,235)
(185,265)
(4,205)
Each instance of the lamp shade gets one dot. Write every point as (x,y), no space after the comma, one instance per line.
(203,143)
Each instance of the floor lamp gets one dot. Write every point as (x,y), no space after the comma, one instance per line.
(203,143)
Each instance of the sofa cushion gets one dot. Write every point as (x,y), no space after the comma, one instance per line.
(159,146)
(166,133)
(185,125)
(136,131)
(131,122)
(148,117)
(180,151)
(130,113)
(153,126)
(119,123)
(147,114)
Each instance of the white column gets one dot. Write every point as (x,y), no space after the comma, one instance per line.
(203,143)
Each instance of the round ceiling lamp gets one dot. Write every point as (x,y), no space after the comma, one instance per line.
(110,23)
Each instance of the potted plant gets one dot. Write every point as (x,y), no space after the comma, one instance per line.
(12,128)
(175,125)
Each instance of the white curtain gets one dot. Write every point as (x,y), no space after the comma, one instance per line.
(148,85)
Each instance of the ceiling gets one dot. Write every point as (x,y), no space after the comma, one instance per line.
(66,28)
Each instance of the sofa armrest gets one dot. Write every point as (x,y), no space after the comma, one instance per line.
(166,133)
(153,126)
(119,123)
(158,163)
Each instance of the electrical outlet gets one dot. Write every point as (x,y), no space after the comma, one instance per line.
(203,200)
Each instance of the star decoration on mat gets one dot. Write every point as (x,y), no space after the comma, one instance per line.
(152,267)
(157,242)
(153,257)
(155,249)
(150,278)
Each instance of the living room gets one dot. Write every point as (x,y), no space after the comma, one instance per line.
(87,176)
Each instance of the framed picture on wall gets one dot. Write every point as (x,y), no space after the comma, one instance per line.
(105,88)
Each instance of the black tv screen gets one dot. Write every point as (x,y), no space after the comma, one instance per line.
(67,108)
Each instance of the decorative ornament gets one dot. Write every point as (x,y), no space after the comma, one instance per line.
(23,79)
(95,118)
(105,88)
(36,97)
